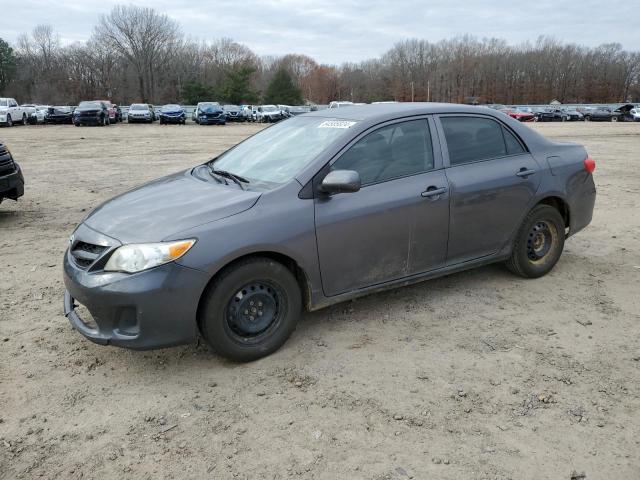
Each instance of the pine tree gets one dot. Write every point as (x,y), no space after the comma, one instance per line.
(282,90)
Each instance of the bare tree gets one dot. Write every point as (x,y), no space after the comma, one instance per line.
(143,37)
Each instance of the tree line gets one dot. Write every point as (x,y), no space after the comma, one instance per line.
(140,55)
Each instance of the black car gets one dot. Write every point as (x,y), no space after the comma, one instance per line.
(91,113)
(59,115)
(233,113)
(210,113)
(624,113)
(172,113)
(572,115)
(548,115)
(600,114)
(11,179)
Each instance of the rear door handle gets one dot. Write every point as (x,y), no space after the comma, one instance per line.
(433,191)
(525,172)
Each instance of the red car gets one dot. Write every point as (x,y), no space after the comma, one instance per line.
(522,114)
(111,108)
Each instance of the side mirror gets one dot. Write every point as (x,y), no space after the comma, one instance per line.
(341,181)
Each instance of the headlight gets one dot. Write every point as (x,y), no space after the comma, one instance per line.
(137,257)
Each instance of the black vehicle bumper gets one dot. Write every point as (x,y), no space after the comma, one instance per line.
(212,121)
(58,120)
(88,120)
(155,308)
(170,119)
(139,120)
(12,185)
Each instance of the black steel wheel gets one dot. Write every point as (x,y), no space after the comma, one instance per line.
(254,310)
(538,243)
(250,309)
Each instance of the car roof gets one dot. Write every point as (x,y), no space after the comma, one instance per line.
(382,111)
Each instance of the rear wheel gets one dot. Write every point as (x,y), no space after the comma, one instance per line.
(24,119)
(614,118)
(538,243)
(251,309)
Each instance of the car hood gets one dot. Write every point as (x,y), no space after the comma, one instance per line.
(166,206)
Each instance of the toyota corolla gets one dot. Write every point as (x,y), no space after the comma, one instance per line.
(318,209)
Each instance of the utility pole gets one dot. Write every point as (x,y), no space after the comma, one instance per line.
(428,90)
(412,90)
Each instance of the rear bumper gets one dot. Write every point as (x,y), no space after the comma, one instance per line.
(581,206)
(156,308)
(12,185)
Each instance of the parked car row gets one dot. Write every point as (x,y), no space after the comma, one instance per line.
(103,112)
(625,113)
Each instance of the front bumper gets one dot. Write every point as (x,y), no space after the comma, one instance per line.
(88,120)
(146,119)
(221,120)
(155,308)
(12,185)
(172,119)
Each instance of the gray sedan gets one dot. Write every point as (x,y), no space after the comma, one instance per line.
(318,209)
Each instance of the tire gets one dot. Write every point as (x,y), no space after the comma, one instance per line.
(614,119)
(77,124)
(538,243)
(240,336)
(587,119)
(24,119)
(9,121)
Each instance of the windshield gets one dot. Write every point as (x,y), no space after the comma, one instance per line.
(171,108)
(269,108)
(90,105)
(138,106)
(275,155)
(231,108)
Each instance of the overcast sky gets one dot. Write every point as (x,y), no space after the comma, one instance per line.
(335,31)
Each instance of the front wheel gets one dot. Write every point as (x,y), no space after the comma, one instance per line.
(538,243)
(614,119)
(251,309)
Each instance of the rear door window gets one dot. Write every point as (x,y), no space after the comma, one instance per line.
(472,139)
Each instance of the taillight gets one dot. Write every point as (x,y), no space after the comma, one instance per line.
(589,164)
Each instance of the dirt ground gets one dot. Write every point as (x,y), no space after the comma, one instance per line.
(479,375)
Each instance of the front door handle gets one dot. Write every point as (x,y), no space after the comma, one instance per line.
(433,192)
(525,172)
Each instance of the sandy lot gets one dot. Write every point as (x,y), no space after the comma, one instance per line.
(480,375)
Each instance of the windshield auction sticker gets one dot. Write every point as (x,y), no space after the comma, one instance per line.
(336,124)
